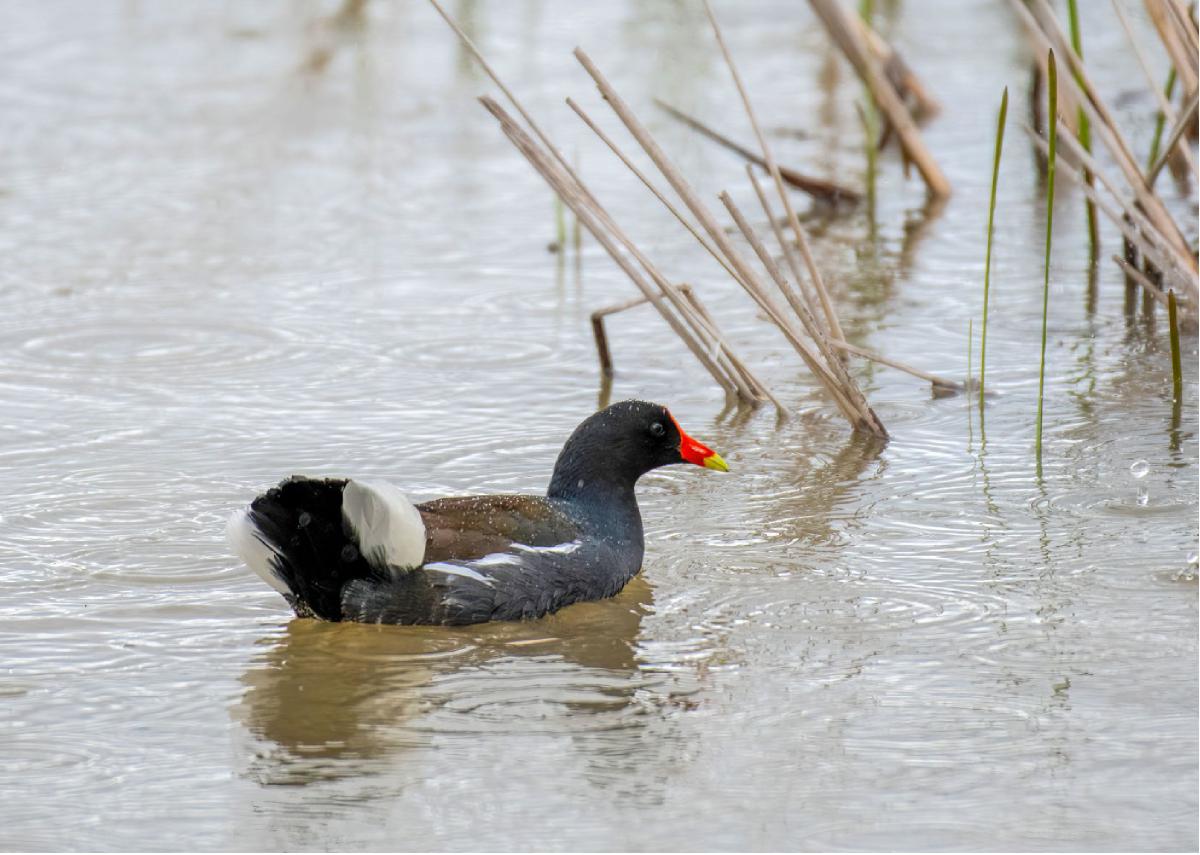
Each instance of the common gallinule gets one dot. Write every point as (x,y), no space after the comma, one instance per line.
(350,550)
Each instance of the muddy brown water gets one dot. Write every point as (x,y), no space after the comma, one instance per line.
(222,268)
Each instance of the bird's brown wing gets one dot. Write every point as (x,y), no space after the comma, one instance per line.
(469,527)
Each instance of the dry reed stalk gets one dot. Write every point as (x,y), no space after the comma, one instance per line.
(1177,39)
(831,319)
(855,415)
(729,371)
(705,322)
(839,344)
(861,418)
(1137,230)
(1132,222)
(843,382)
(1185,25)
(810,299)
(819,188)
(1164,105)
(806,317)
(679,311)
(1045,31)
(589,212)
(856,49)
(793,301)
(649,185)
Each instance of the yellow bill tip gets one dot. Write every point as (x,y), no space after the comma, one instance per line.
(714,461)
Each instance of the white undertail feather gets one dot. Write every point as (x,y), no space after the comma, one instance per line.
(389,528)
(249,545)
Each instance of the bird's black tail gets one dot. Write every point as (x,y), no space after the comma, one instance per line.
(295,537)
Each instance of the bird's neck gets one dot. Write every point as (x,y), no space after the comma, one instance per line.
(604,503)
(585,481)
(576,479)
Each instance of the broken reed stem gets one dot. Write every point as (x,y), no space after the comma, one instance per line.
(848,37)
(601,336)
(1085,134)
(1176,360)
(746,276)
(1051,114)
(987,264)
(897,70)
(818,188)
(831,319)
(604,353)
(839,381)
(934,379)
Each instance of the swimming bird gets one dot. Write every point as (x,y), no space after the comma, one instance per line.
(359,550)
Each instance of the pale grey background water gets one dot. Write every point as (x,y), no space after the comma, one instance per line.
(222,268)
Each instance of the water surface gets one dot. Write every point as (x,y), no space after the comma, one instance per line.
(241,243)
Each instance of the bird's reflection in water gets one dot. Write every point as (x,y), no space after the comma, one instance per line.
(337,701)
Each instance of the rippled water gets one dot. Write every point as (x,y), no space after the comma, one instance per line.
(242,243)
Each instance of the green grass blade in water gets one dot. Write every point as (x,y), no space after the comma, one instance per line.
(1176,359)
(987,264)
(1052,123)
(1160,121)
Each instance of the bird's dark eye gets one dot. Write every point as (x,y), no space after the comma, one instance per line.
(657,429)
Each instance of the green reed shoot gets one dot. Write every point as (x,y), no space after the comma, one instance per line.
(1160,122)
(1052,124)
(560,224)
(987,264)
(870,122)
(1176,361)
(967,387)
(1085,134)
(576,231)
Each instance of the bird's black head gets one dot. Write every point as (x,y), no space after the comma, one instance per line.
(619,444)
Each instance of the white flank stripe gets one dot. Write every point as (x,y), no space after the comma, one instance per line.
(561,549)
(459,570)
